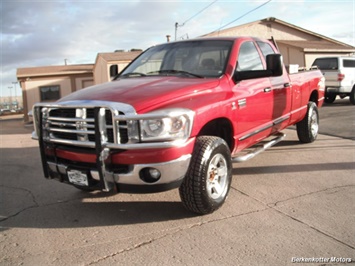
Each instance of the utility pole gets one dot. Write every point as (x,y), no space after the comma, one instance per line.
(177,24)
(176,28)
(10,106)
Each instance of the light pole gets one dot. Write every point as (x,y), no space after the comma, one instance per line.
(15,83)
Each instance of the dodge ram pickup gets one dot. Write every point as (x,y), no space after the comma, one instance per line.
(178,116)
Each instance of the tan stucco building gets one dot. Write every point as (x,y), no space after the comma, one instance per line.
(297,45)
(49,83)
(107,65)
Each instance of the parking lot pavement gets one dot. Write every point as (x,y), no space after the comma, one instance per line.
(291,204)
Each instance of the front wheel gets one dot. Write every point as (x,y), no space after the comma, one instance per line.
(307,128)
(208,179)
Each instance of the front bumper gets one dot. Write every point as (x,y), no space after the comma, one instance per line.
(338,90)
(124,171)
(171,176)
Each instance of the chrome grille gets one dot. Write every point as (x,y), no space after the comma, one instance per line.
(78,124)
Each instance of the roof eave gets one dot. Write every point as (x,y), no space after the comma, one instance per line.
(272,19)
(329,50)
(53,74)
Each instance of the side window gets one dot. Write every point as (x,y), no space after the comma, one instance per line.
(265,48)
(49,93)
(349,63)
(248,58)
(326,63)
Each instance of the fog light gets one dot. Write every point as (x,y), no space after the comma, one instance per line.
(149,175)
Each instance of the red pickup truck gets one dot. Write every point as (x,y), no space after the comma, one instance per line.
(178,116)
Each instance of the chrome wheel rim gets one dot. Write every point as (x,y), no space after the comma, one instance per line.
(217,176)
(314,124)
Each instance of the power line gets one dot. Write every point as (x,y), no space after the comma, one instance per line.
(243,15)
(177,24)
(198,13)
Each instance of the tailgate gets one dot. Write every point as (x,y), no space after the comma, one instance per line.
(331,78)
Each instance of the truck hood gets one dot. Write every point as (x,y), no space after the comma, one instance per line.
(145,93)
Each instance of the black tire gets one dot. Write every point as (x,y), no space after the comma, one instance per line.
(208,179)
(330,98)
(352,96)
(84,189)
(307,128)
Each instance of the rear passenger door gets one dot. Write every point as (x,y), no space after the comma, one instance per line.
(280,91)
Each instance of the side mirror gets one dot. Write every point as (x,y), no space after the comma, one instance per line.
(274,68)
(274,64)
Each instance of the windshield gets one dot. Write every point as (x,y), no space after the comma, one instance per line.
(200,58)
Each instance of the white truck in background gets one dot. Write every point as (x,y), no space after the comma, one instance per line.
(339,73)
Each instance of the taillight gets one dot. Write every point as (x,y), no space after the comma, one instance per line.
(341,77)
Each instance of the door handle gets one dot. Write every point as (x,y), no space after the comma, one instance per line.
(268,89)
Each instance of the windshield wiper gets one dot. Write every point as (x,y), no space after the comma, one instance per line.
(174,71)
(132,74)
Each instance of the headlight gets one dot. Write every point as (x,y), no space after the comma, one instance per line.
(166,125)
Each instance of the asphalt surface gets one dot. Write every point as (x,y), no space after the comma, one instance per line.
(338,119)
(292,204)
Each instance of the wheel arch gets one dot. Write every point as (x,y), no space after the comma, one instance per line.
(314,97)
(219,127)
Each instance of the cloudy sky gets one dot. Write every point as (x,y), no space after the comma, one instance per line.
(41,33)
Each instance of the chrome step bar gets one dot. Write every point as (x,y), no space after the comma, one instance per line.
(278,137)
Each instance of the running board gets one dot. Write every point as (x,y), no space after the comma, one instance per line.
(278,137)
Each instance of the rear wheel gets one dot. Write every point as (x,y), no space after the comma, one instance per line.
(352,96)
(330,98)
(208,179)
(307,128)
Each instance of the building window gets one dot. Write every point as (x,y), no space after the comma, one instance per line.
(113,71)
(49,93)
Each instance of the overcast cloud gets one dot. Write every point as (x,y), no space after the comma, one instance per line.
(40,33)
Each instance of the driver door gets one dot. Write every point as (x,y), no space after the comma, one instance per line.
(254,99)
